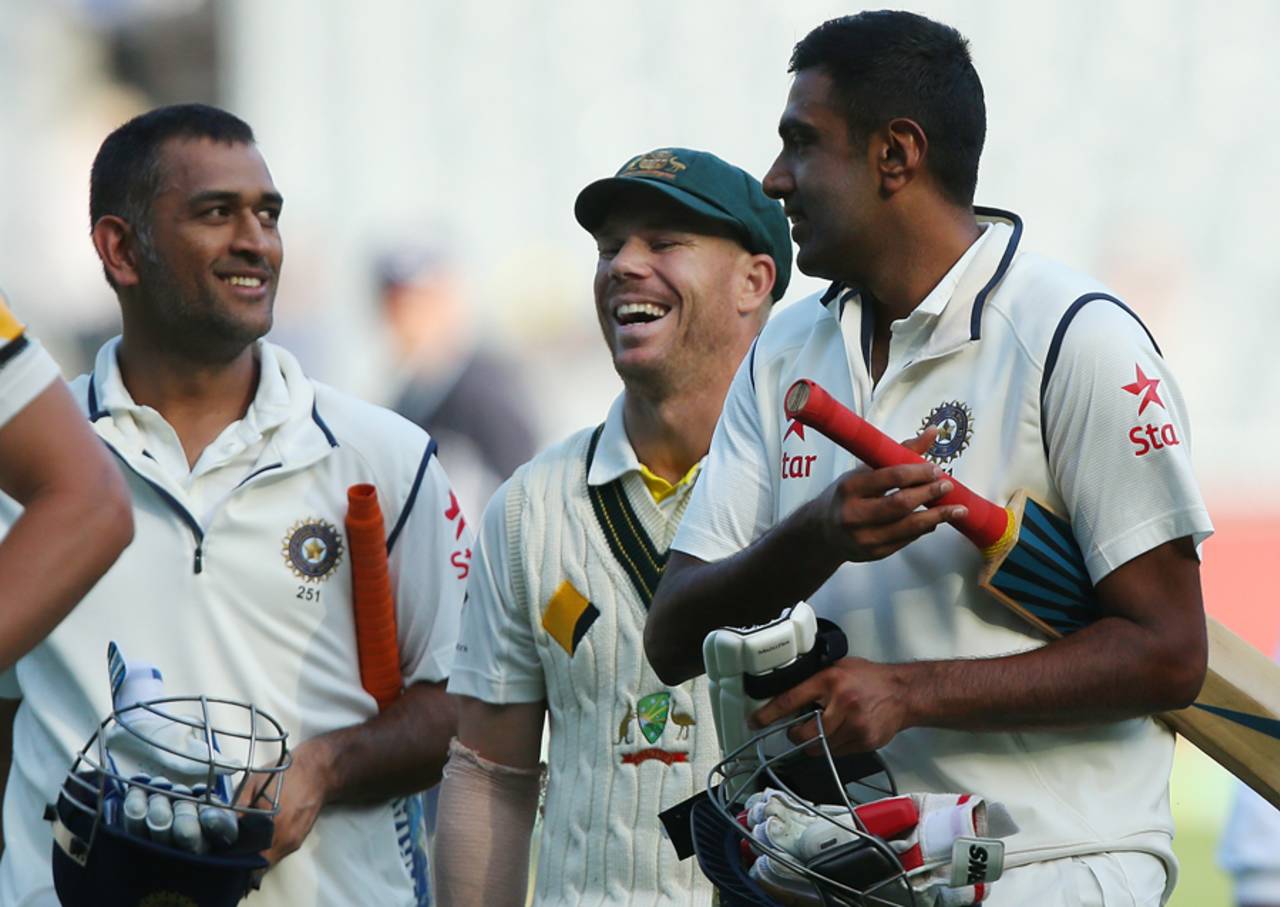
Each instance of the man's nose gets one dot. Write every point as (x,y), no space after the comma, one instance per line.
(252,238)
(631,259)
(778,182)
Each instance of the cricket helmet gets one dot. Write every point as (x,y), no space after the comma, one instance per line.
(101,854)
(785,823)
(847,864)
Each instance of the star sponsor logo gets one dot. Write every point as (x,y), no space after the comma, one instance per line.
(312,548)
(1149,438)
(796,466)
(460,559)
(1145,389)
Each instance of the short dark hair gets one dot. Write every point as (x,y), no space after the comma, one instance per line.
(888,64)
(126,173)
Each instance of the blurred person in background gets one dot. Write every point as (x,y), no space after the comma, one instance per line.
(238,581)
(1250,848)
(691,257)
(76,516)
(454,383)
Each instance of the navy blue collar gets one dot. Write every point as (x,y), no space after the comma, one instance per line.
(841,293)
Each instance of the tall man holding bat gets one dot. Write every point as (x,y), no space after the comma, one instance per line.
(1013,372)
(238,583)
(691,256)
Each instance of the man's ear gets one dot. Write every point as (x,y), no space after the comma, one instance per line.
(117,247)
(758,276)
(901,148)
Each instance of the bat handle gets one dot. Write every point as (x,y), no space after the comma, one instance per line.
(987,525)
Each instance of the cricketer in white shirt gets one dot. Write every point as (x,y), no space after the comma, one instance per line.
(238,585)
(1038,379)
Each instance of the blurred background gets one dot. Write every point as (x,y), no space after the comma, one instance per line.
(430,153)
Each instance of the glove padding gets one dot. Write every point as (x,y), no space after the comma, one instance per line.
(150,743)
(179,816)
(921,829)
(167,799)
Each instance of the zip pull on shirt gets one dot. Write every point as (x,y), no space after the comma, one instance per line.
(233,455)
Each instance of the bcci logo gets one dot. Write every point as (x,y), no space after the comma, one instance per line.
(311,549)
(954,422)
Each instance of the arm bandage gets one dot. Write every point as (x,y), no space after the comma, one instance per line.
(481,856)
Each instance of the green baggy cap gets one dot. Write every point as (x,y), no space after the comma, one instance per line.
(707,185)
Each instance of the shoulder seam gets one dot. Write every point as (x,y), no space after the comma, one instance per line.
(1055,347)
(412,497)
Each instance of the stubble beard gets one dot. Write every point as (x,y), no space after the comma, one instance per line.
(192,324)
(690,366)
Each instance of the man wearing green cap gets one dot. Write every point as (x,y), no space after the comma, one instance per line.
(691,256)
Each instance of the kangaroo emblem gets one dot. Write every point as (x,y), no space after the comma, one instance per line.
(624,729)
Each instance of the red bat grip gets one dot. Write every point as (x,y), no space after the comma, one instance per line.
(377,642)
(806,402)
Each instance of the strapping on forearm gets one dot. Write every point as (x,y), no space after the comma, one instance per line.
(481,856)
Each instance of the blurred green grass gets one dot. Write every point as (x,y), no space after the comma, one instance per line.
(1201,792)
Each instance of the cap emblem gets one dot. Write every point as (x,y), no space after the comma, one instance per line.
(662,164)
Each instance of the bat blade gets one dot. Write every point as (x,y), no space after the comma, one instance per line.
(1236,717)
(1037,571)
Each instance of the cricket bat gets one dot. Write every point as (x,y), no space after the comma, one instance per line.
(1034,567)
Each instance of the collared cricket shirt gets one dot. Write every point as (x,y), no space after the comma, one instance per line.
(1037,378)
(238,584)
(571,549)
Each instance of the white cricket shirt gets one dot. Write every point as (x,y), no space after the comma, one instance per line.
(568,558)
(238,584)
(1039,380)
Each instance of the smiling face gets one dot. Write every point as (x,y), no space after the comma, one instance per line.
(207,278)
(826,182)
(667,290)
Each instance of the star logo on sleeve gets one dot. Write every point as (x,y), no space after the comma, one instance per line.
(1145,388)
(795,428)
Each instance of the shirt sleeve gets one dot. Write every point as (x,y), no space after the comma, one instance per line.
(1120,441)
(733,500)
(25,368)
(497,659)
(429,563)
